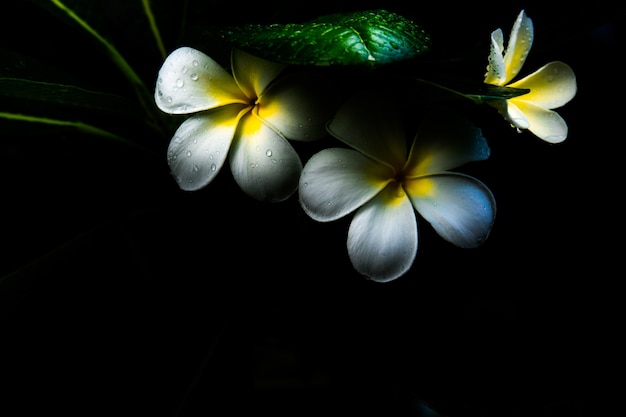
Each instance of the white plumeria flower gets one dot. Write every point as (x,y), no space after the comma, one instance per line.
(551,86)
(383,183)
(247,116)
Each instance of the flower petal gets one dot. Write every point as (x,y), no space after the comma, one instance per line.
(263,163)
(551,86)
(509,110)
(189,81)
(382,238)
(200,145)
(520,41)
(253,74)
(299,105)
(496,71)
(336,181)
(460,208)
(369,122)
(445,141)
(546,124)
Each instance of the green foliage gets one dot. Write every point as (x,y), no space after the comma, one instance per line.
(366,38)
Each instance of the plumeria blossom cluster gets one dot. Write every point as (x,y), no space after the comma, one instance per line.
(382,176)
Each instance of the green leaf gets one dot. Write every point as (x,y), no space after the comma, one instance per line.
(76,125)
(62,98)
(476,91)
(490,92)
(364,38)
(43,105)
(71,10)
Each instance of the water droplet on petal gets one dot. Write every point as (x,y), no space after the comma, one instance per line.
(268,152)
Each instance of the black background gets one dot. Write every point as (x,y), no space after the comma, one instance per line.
(123,294)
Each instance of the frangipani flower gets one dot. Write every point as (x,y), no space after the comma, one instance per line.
(551,86)
(246,116)
(383,182)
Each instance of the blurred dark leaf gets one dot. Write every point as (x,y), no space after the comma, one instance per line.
(68,97)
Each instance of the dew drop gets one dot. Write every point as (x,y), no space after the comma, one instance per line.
(184,69)
(213,167)
(188,153)
(268,153)
(196,168)
(179,83)
(195,63)
(194,76)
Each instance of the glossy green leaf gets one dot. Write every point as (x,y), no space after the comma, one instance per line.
(364,38)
